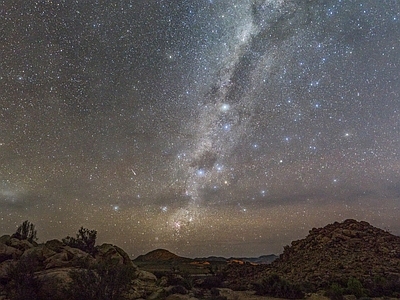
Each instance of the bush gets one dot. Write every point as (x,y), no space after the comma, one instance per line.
(335,292)
(23,282)
(274,286)
(178,289)
(100,282)
(382,286)
(216,295)
(210,282)
(160,274)
(184,280)
(85,240)
(26,231)
(354,287)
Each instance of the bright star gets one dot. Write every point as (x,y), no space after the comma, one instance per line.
(224,107)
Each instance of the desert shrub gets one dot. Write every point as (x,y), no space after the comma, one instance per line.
(174,279)
(308,287)
(237,286)
(85,240)
(100,282)
(354,287)
(160,274)
(184,280)
(210,282)
(381,286)
(178,289)
(188,283)
(216,295)
(277,287)
(23,283)
(215,292)
(26,231)
(335,292)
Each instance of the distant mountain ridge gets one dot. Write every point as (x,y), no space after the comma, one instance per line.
(163,255)
(263,259)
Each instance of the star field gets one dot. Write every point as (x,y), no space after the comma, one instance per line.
(207,127)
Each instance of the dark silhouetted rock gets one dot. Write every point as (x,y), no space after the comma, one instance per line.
(20,244)
(55,245)
(7,252)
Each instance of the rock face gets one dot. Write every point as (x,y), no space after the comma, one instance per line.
(339,251)
(108,252)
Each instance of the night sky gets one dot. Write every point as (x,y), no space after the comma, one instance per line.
(205,127)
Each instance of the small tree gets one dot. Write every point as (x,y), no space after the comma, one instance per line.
(85,240)
(104,281)
(26,231)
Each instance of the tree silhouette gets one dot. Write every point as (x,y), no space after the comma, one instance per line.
(26,231)
(85,240)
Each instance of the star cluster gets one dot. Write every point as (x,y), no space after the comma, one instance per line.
(207,127)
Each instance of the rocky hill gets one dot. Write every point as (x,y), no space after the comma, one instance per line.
(340,251)
(159,255)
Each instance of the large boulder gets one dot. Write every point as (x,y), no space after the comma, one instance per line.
(55,245)
(38,254)
(54,282)
(5,267)
(5,239)
(69,257)
(7,252)
(145,285)
(112,254)
(75,252)
(58,260)
(20,244)
(146,276)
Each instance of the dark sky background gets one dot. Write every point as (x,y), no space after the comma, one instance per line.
(206,127)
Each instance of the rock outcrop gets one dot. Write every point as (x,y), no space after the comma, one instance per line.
(51,264)
(339,251)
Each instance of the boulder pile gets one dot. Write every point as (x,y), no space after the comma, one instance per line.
(52,263)
(340,251)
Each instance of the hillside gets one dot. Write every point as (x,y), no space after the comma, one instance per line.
(334,253)
(339,251)
(159,255)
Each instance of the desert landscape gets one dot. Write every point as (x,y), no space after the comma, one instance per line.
(347,260)
(199,149)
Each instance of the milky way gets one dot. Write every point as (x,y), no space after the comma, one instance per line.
(204,127)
